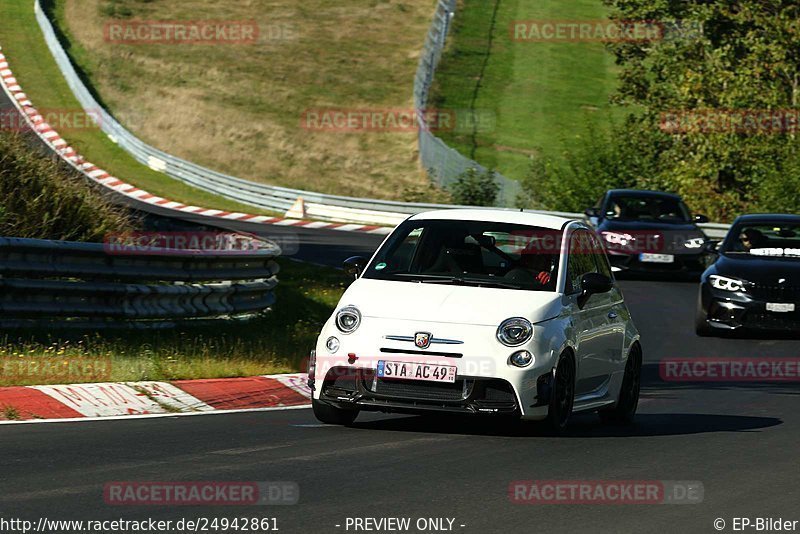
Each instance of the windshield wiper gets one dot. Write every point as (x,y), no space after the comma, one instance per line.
(447,279)
(428,278)
(495,283)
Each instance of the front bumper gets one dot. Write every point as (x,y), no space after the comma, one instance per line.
(684,263)
(351,387)
(726,310)
(486,382)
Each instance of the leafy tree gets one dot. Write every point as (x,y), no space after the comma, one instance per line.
(715,59)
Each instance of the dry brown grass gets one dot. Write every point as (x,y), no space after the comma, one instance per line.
(237,108)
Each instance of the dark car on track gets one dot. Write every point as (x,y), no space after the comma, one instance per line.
(754,284)
(649,232)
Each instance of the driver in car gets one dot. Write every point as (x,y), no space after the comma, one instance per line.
(533,268)
(751,238)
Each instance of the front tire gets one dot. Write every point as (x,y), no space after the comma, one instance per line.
(562,397)
(330,415)
(627,403)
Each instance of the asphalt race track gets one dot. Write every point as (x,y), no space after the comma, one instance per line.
(739,440)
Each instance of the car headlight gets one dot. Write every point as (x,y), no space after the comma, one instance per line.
(695,242)
(727,284)
(348,319)
(515,331)
(616,238)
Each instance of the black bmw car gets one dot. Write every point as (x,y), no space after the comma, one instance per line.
(754,284)
(649,231)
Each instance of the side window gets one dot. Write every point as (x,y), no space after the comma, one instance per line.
(603,267)
(400,260)
(581,259)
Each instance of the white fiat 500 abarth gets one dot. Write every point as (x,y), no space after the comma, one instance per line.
(487,312)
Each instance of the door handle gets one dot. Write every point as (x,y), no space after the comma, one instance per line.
(612,315)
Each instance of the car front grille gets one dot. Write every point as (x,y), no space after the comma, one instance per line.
(497,394)
(773,321)
(776,293)
(440,391)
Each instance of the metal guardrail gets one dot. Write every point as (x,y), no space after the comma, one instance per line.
(90,282)
(247,192)
(444,163)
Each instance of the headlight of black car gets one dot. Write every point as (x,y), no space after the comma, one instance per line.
(727,284)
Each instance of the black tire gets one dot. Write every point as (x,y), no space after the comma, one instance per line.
(562,397)
(331,415)
(624,410)
(701,326)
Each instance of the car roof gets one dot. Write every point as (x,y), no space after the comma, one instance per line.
(767,218)
(541,220)
(642,193)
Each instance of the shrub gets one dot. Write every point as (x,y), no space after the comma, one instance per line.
(41,198)
(595,164)
(475,188)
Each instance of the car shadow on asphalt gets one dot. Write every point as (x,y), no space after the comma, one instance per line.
(581,425)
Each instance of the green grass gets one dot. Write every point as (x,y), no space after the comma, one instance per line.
(542,94)
(278,342)
(38,74)
(42,199)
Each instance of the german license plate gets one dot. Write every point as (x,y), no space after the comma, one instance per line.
(780,307)
(656,258)
(416,371)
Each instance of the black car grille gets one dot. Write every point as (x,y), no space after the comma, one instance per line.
(776,293)
(772,321)
(341,381)
(497,394)
(420,390)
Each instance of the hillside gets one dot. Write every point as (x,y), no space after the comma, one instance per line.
(237,107)
(541,94)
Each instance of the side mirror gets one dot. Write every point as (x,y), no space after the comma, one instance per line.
(700,219)
(593,283)
(591,212)
(710,246)
(354,265)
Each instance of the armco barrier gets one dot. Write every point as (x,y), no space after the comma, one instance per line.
(318,205)
(89,282)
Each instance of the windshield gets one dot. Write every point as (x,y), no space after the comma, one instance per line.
(765,239)
(647,208)
(487,254)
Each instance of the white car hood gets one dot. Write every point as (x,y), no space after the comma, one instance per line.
(444,303)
